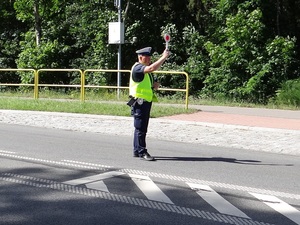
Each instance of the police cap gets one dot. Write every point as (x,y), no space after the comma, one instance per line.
(144,51)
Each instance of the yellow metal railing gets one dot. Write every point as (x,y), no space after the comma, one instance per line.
(82,84)
(186,89)
(22,70)
(97,86)
(58,85)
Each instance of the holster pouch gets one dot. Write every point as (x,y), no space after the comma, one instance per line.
(131,101)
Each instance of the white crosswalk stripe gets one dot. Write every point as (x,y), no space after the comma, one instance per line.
(280,206)
(149,188)
(95,181)
(98,185)
(217,201)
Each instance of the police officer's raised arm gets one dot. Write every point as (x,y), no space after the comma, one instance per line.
(154,66)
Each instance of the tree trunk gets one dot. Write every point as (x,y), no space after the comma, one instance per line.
(278,17)
(38,29)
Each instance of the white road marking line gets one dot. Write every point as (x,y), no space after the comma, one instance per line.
(149,188)
(280,206)
(8,152)
(217,201)
(85,163)
(95,181)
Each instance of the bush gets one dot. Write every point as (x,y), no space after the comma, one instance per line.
(289,94)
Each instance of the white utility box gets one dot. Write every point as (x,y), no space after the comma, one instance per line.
(116,33)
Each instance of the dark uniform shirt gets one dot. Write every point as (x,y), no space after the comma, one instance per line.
(138,72)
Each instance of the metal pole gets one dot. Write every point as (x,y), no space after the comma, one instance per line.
(119,68)
(120,48)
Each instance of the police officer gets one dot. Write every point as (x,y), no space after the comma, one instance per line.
(141,86)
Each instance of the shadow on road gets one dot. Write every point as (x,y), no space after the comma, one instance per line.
(218,159)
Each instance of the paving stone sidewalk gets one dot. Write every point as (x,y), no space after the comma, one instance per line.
(253,117)
(216,126)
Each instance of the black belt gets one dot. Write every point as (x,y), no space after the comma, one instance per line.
(134,100)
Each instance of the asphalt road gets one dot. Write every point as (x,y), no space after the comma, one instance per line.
(53,176)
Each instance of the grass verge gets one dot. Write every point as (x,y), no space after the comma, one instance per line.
(89,107)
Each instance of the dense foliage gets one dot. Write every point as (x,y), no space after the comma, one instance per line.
(243,50)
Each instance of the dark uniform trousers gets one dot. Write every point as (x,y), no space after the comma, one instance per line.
(141,114)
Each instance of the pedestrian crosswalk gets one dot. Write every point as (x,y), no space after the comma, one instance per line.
(152,191)
(210,200)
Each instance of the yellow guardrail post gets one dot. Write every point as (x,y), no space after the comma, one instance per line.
(186,90)
(36,85)
(82,90)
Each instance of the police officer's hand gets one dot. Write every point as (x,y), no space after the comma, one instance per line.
(166,53)
(156,85)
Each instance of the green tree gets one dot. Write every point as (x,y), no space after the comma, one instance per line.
(237,49)
(197,64)
(74,36)
(36,13)
(10,30)
(242,66)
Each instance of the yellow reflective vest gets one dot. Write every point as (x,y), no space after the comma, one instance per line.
(142,89)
